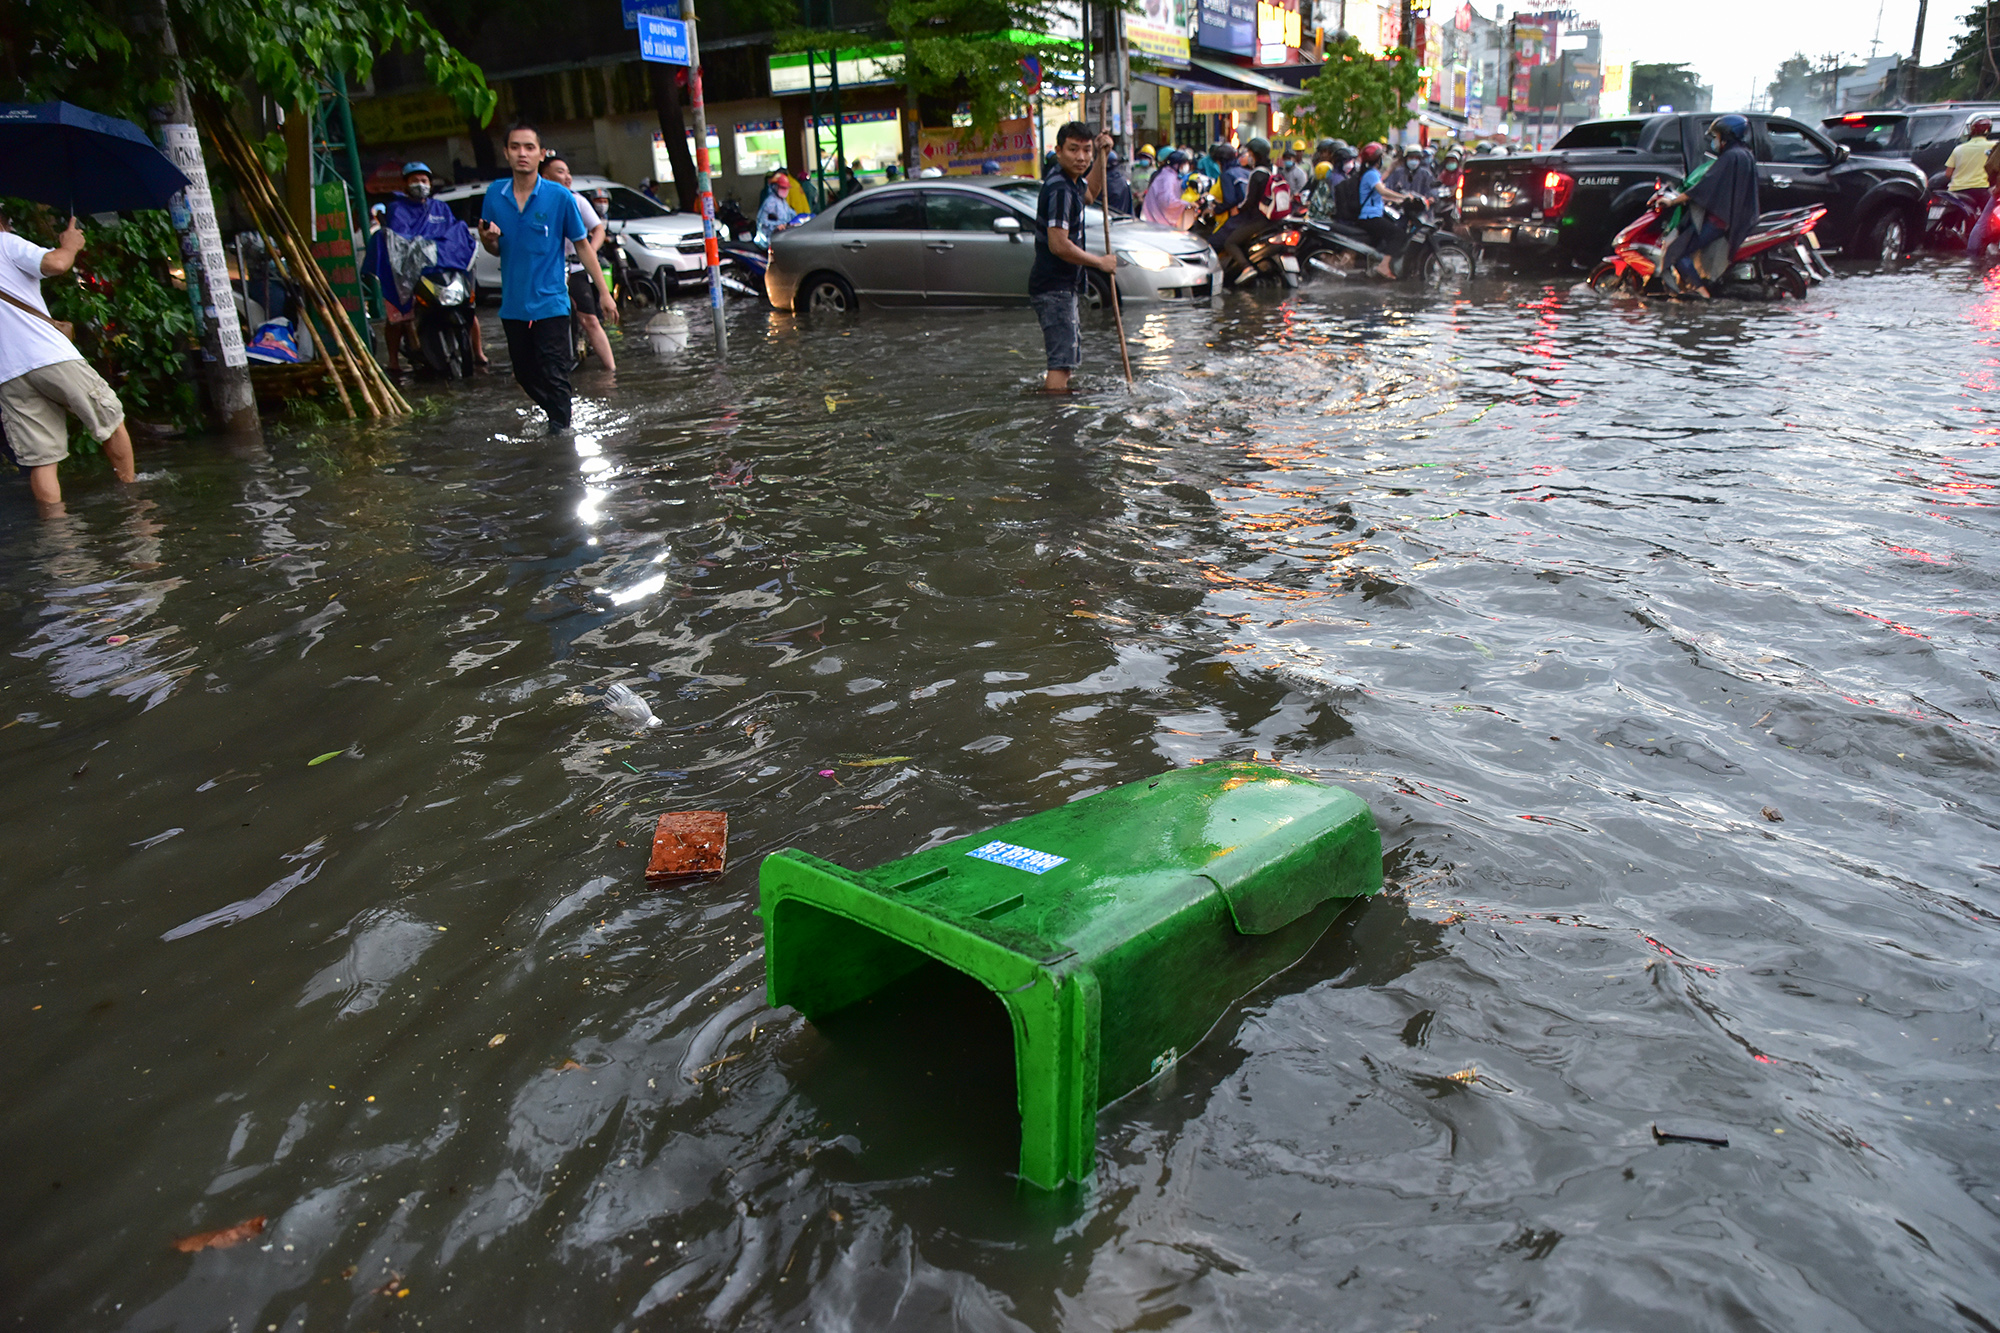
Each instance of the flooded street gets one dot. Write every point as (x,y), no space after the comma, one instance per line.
(1661,640)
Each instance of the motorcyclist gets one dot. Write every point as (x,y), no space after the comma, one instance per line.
(1232,171)
(418,232)
(1295,173)
(1451,169)
(1319,195)
(1163,203)
(1252,213)
(1715,211)
(775,213)
(1412,177)
(1384,232)
(1141,170)
(1117,184)
(1967,163)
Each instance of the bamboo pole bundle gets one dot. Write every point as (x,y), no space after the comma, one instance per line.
(336,341)
(372,386)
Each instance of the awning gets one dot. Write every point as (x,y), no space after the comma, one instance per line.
(1178,85)
(1244,78)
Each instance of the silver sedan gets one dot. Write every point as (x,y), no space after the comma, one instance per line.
(960,241)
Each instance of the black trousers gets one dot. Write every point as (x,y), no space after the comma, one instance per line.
(1385,234)
(542,354)
(1234,239)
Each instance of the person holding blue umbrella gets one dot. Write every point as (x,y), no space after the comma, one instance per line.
(43,378)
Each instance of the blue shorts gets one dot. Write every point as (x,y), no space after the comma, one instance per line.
(1062,333)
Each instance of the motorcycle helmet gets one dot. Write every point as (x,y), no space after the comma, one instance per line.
(1980,125)
(1413,153)
(1298,145)
(1321,170)
(1259,151)
(1371,154)
(412,168)
(1178,158)
(1731,128)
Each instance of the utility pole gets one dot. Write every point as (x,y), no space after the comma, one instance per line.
(1916,53)
(703,185)
(224,366)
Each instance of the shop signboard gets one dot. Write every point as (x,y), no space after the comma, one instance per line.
(958,151)
(1160,44)
(1222,104)
(405,116)
(333,247)
(1228,25)
(1278,31)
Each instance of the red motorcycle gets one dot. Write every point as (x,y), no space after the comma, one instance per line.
(1781,254)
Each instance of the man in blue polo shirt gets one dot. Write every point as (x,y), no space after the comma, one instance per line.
(525,221)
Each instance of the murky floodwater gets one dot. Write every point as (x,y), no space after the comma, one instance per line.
(1569,591)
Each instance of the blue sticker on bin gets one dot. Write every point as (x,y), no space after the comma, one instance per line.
(1021,858)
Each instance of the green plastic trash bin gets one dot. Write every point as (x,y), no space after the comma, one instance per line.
(1115,929)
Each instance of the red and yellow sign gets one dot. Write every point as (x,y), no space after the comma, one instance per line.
(960,152)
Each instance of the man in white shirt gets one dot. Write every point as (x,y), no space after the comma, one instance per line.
(43,378)
(589,294)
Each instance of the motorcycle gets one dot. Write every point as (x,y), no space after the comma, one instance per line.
(1430,252)
(1780,255)
(1273,257)
(441,312)
(1948,216)
(743,264)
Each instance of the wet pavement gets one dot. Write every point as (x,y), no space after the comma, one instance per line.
(1661,641)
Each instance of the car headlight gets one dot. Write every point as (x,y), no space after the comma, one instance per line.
(1145,256)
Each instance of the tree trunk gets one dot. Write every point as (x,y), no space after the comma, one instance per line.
(484,159)
(667,101)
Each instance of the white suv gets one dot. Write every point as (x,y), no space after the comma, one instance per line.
(660,241)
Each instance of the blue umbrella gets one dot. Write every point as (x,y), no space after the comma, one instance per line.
(81,162)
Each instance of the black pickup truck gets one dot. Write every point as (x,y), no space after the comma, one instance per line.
(1563,206)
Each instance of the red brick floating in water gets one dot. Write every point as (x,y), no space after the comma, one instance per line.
(689,842)
(1115,929)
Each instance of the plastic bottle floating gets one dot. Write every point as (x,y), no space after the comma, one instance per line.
(1115,929)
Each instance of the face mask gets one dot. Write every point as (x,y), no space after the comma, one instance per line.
(419,190)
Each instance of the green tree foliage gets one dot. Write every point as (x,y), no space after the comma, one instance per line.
(1677,86)
(1357,97)
(957,52)
(1974,66)
(132,321)
(961,49)
(106,54)
(1794,86)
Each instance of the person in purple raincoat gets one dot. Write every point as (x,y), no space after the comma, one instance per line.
(419,232)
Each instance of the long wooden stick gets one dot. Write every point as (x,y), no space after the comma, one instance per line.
(1104,204)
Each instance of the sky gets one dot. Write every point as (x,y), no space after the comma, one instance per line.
(1741,44)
